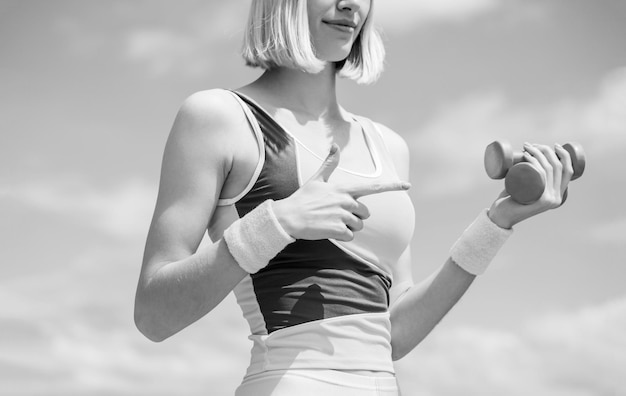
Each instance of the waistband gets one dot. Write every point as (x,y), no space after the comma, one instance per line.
(317,382)
(349,342)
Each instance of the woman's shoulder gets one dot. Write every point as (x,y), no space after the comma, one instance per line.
(209,116)
(209,124)
(214,106)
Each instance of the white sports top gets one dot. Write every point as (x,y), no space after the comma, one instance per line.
(320,304)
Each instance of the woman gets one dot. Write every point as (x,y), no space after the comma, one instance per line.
(306,206)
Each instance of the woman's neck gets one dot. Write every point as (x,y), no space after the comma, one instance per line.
(310,94)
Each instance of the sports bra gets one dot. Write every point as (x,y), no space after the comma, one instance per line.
(322,303)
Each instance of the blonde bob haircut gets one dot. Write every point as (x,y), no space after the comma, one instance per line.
(277,35)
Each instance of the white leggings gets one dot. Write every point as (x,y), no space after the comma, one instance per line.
(317,382)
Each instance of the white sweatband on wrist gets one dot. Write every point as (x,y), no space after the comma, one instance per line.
(479,244)
(256,238)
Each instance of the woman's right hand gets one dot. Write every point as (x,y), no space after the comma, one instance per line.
(319,210)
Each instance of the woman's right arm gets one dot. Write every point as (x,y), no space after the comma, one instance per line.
(180,283)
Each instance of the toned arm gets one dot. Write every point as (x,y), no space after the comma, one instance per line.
(422,306)
(178,283)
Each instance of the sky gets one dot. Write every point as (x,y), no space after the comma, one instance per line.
(89,91)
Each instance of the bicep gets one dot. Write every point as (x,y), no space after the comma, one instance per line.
(195,165)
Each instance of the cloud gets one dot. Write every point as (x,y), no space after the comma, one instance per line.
(584,349)
(575,353)
(187,38)
(121,211)
(193,50)
(402,15)
(455,137)
(612,232)
(163,51)
(72,357)
(602,120)
(70,332)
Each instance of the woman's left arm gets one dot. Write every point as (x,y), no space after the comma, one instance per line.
(416,309)
(421,306)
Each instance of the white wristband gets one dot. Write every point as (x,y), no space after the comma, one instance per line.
(479,244)
(256,238)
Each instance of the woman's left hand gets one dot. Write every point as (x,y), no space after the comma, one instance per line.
(556,167)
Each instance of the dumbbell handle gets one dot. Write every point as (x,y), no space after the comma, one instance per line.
(500,157)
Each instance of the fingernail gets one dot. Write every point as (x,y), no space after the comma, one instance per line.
(558,145)
(334,148)
(406,185)
(527,145)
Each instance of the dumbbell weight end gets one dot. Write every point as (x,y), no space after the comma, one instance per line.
(524,183)
(577,154)
(499,158)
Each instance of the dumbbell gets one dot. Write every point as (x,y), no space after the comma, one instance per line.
(522,181)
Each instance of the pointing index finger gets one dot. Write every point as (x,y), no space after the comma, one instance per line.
(361,190)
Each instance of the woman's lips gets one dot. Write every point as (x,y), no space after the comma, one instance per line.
(342,27)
